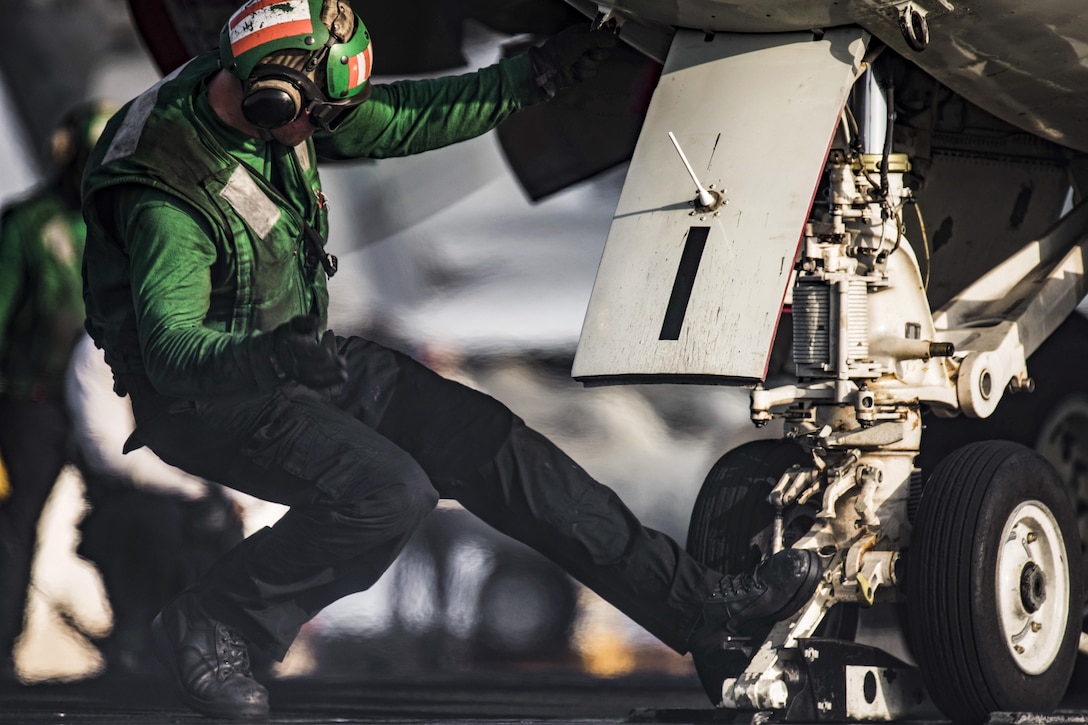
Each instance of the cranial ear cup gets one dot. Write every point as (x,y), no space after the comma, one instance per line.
(271,102)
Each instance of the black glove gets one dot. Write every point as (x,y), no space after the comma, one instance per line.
(297,355)
(571,56)
(212,516)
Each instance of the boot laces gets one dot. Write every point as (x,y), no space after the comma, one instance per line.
(233,653)
(739,586)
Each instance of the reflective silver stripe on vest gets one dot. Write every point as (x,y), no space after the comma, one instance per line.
(302,153)
(246,198)
(128,136)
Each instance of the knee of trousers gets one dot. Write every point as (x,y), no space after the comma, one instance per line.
(397,495)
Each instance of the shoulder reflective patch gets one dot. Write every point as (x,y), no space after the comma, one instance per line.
(246,198)
(58,241)
(128,135)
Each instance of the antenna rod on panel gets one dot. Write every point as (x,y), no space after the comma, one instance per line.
(704,197)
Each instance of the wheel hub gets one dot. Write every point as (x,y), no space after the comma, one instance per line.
(1032,587)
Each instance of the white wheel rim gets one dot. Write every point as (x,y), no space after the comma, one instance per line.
(1032,587)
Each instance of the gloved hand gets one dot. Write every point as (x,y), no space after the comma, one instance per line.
(213,520)
(571,56)
(297,355)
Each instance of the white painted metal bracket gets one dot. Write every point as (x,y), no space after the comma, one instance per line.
(696,294)
(997,322)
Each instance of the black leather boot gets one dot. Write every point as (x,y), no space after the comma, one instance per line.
(749,604)
(209,662)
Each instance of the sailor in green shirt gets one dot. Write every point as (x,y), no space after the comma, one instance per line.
(205,282)
(41,318)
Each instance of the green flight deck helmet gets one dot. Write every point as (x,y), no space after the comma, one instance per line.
(298,56)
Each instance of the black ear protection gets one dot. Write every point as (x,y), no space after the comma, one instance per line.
(274,95)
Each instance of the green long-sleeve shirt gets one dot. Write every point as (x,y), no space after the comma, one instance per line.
(195,244)
(41,311)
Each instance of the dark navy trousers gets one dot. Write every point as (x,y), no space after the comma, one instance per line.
(362,464)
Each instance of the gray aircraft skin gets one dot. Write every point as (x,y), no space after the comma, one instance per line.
(1024,63)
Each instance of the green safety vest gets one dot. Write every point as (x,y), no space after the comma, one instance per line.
(262,232)
(163,140)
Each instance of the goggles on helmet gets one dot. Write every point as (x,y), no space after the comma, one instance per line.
(328,116)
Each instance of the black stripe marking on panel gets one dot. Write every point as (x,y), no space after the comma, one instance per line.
(684,283)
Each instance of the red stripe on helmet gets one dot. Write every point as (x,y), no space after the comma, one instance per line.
(249,9)
(270,33)
(360,67)
(264,21)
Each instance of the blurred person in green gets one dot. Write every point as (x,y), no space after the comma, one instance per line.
(41,318)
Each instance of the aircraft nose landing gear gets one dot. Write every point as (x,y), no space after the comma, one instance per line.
(991,594)
(975,573)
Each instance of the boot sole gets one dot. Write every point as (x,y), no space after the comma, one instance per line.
(164,651)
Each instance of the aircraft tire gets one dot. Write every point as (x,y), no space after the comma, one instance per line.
(1062,438)
(994,559)
(730,531)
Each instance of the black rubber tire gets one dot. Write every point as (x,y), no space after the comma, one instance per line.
(952,598)
(731,520)
(731,527)
(1061,436)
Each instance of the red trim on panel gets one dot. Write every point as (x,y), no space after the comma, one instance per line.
(157,30)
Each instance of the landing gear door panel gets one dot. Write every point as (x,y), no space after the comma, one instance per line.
(695,270)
